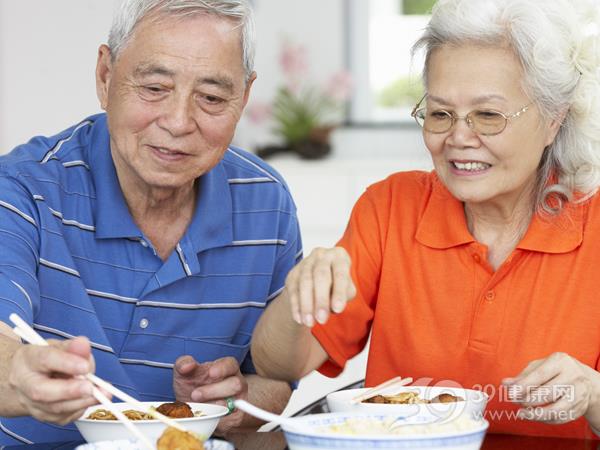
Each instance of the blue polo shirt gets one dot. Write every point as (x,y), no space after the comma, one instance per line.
(73,262)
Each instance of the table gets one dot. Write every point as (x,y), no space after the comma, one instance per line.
(276,441)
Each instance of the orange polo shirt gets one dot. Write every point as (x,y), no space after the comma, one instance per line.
(437,310)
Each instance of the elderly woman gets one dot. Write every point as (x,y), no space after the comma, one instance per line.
(483,272)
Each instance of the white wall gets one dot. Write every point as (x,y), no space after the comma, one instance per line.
(47,58)
(48,54)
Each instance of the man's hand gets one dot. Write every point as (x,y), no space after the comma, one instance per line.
(212,382)
(44,379)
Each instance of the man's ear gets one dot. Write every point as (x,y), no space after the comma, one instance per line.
(249,87)
(103,75)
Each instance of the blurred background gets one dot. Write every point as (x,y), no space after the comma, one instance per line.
(330,109)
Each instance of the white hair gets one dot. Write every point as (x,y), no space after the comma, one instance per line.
(131,12)
(558,45)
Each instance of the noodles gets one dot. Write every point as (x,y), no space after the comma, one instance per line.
(166,409)
(131,414)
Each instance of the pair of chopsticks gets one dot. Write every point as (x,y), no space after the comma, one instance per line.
(386,385)
(28,334)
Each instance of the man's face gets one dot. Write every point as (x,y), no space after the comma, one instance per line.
(173,98)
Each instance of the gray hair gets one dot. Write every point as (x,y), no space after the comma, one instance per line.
(559,51)
(132,12)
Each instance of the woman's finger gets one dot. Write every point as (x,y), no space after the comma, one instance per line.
(342,281)
(322,282)
(563,411)
(306,290)
(534,376)
(560,386)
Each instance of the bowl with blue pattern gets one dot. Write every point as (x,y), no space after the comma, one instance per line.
(364,431)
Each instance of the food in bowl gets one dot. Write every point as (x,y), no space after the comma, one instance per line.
(467,402)
(372,426)
(360,431)
(176,410)
(174,439)
(101,430)
(412,397)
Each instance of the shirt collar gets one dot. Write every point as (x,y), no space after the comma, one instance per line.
(443,225)
(212,223)
(113,219)
(560,234)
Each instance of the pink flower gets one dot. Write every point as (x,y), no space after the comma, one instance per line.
(294,63)
(339,86)
(258,112)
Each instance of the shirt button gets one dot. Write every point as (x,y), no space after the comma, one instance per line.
(490,295)
(476,258)
(144,243)
(144,323)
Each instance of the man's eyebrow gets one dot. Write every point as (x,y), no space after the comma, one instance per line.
(222,82)
(152,69)
(218,81)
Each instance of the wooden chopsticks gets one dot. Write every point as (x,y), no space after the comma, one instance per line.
(28,334)
(389,384)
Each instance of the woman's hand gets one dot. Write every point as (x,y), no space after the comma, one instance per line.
(320,284)
(556,389)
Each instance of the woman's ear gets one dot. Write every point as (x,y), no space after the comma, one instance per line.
(103,75)
(554,127)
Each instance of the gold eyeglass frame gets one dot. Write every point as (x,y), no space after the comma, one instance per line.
(454,118)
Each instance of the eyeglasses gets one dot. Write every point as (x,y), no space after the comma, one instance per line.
(486,122)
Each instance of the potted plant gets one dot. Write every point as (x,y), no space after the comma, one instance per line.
(302,114)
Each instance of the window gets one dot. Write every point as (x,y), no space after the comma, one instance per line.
(380,34)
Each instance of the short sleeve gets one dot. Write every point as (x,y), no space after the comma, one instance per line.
(19,234)
(346,334)
(289,254)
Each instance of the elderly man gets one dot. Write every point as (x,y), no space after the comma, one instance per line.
(144,230)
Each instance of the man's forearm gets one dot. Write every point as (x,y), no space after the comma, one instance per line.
(281,348)
(9,406)
(268,394)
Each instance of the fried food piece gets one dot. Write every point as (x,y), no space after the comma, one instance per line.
(446,398)
(173,439)
(401,398)
(176,410)
(409,398)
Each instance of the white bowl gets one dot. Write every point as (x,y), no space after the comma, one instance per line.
(101,430)
(311,433)
(134,444)
(473,405)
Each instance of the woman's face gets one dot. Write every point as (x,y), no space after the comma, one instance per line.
(480,169)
